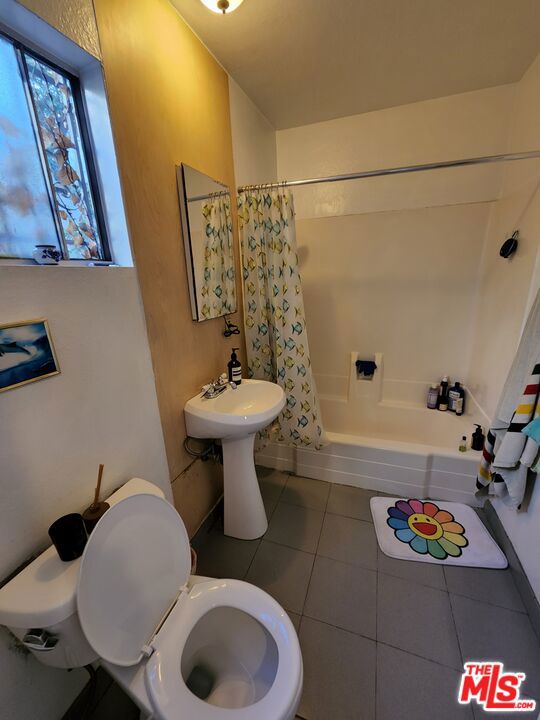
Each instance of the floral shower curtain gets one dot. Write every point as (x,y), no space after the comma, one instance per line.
(276,335)
(218,285)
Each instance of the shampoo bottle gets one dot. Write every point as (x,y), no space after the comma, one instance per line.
(235,368)
(443,395)
(456,399)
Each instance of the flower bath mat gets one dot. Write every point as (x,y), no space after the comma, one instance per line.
(434,531)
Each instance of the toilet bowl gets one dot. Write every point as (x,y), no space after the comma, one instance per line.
(181,647)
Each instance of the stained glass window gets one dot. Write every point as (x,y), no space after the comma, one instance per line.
(25,211)
(46,189)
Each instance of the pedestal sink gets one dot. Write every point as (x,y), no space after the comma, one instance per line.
(234,417)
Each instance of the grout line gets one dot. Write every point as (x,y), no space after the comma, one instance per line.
(316,552)
(366,522)
(414,582)
(259,541)
(380,642)
(421,657)
(488,603)
(461,654)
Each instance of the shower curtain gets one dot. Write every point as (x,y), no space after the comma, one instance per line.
(276,335)
(218,286)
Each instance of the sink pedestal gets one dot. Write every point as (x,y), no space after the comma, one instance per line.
(235,416)
(245,516)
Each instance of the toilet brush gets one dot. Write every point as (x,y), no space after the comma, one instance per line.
(93,513)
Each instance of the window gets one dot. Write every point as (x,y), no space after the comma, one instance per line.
(48,192)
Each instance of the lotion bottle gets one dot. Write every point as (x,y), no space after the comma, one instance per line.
(235,368)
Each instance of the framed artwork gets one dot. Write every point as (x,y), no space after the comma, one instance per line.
(26,353)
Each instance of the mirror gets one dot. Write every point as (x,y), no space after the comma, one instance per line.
(205,206)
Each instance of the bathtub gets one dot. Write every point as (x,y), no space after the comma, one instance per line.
(383,438)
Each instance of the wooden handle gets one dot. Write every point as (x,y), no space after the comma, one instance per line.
(98,486)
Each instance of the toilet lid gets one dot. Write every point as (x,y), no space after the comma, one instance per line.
(134,565)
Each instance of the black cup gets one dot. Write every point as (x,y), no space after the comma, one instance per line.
(69,536)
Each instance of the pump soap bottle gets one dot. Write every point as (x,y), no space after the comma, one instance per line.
(478,438)
(235,368)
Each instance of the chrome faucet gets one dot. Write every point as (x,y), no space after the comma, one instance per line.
(216,387)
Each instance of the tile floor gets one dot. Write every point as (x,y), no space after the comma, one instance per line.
(380,638)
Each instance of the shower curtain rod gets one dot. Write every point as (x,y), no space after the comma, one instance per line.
(197,198)
(400,170)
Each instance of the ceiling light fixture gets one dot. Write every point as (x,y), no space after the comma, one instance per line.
(222,6)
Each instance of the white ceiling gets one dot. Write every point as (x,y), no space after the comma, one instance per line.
(303,61)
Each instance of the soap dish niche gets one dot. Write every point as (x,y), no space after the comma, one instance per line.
(366,369)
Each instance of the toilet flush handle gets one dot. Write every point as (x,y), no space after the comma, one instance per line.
(40,640)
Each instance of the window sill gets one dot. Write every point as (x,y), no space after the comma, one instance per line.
(11,262)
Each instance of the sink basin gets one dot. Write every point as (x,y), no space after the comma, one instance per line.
(234,417)
(234,413)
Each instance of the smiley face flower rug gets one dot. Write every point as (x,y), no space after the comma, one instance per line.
(427,528)
(434,531)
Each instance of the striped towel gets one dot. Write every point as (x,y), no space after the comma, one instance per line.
(484,471)
(506,463)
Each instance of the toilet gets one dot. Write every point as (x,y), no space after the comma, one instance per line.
(181,646)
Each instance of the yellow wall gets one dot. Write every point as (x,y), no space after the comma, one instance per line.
(74,18)
(169,104)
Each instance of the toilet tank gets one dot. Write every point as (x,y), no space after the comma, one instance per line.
(39,604)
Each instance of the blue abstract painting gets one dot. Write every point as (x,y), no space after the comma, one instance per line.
(26,354)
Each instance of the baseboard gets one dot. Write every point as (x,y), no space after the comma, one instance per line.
(522,581)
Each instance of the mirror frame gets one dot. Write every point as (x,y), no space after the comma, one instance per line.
(186,233)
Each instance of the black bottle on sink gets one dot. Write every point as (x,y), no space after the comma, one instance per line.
(235,368)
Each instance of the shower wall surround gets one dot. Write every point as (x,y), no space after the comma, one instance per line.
(392,264)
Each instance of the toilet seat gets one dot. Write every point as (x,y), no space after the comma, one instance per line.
(135,606)
(168,693)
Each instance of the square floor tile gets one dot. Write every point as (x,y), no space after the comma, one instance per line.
(411,687)
(295,526)
(349,540)
(80,706)
(418,619)
(422,573)
(116,704)
(350,501)
(343,595)
(270,476)
(339,673)
(307,492)
(224,557)
(271,483)
(487,632)
(283,572)
(492,586)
